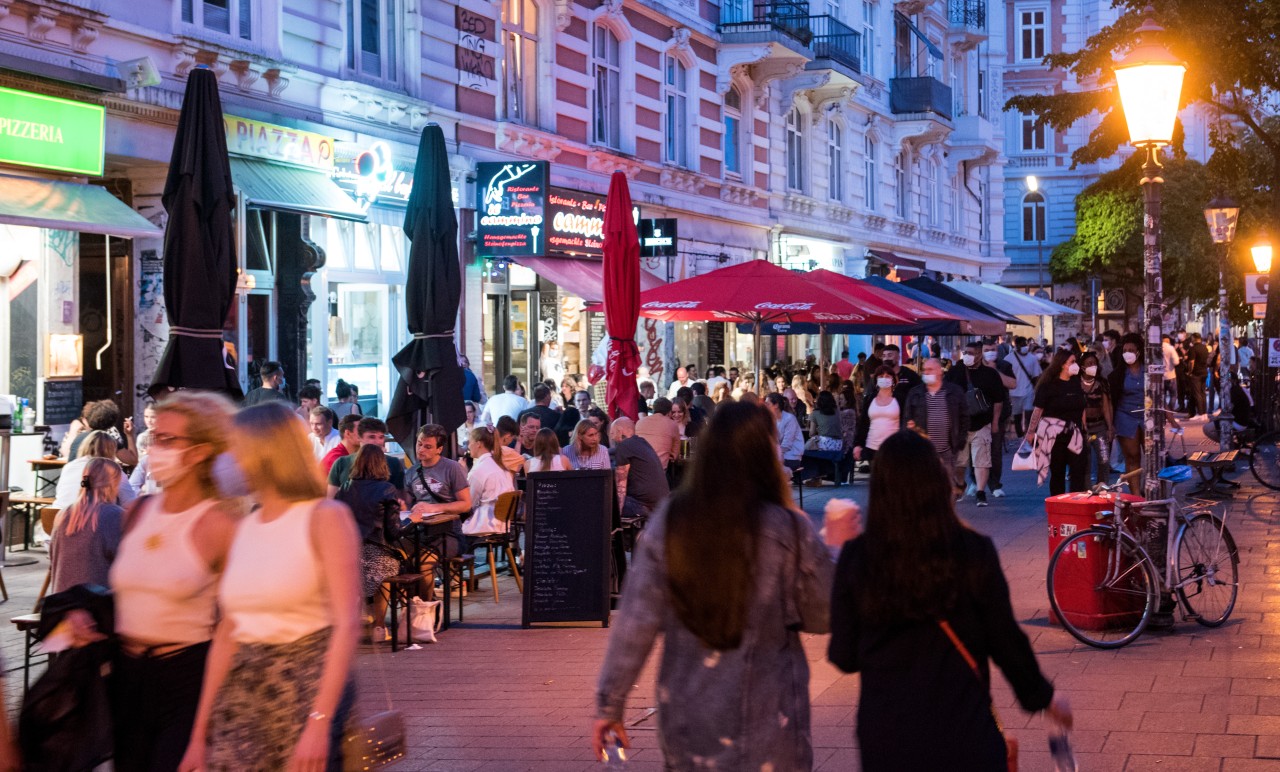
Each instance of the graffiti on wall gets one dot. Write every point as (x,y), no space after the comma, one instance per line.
(476,43)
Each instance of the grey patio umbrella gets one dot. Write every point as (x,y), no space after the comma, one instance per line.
(431,380)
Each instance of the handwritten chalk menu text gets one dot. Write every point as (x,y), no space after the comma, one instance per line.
(511,201)
(568,517)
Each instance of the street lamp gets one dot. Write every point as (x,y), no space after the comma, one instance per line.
(1222,214)
(1038,224)
(1150,81)
(1262,256)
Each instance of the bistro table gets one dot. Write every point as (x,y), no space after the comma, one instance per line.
(430,537)
(43,469)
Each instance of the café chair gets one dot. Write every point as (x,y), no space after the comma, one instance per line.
(400,589)
(504,511)
(27,624)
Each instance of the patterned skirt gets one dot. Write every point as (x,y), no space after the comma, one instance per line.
(262,707)
(376,565)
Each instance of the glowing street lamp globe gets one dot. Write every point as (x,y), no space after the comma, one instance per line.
(1222,214)
(1150,81)
(1262,257)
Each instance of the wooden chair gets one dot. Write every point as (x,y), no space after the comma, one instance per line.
(47,517)
(504,511)
(27,624)
(400,589)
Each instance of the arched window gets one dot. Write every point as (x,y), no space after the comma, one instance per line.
(606,64)
(900,187)
(871,179)
(1033,217)
(520,60)
(795,150)
(733,132)
(677,103)
(835,161)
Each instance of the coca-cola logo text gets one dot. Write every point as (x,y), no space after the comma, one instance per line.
(655,304)
(783,306)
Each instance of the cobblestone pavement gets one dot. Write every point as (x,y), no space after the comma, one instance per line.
(492,696)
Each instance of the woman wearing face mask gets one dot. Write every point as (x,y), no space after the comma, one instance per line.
(1127,385)
(880,416)
(165,581)
(1057,425)
(1098,421)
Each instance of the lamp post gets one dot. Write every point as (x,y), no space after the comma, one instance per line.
(1149,78)
(1222,214)
(1038,224)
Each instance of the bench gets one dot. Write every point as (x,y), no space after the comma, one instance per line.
(1211,467)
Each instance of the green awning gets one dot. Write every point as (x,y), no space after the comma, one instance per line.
(69,206)
(291,189)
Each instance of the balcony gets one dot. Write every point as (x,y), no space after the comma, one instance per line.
(967,23)
(915,96)
(836,46)
(973,141)
(781,21)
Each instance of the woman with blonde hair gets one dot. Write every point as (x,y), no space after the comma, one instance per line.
(546,454)
(585,451)
(488,479)
(165,581)
(96,444)
(277,686)
(87,535)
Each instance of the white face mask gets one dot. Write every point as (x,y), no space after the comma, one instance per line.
(967,359)
(1107,344)
(989,356)
(1023,350)
(1129,357)
(165,464)
(229,478)
(1091,370)
(884,383)
(1073,369)
(929,379)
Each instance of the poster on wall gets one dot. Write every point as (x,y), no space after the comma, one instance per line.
(511,201)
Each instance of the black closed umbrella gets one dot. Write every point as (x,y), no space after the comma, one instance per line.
(199,248)
(431,380)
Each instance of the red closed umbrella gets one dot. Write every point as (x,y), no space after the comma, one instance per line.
(621,300)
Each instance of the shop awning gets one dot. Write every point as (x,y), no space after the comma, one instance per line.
(1009,300)
(906,267)
(290,189)
(583,278)
(940,290)
(69,206)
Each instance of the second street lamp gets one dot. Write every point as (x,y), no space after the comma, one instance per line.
(1149,78)
(1222,214)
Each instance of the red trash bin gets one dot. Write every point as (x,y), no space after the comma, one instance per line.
(1069,513)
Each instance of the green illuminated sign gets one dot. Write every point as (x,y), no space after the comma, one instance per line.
(51,133)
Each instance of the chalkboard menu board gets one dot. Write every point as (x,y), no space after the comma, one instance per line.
(567,530)
(63,401)
(715,344)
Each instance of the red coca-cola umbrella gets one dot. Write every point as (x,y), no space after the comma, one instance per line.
(758,292)
(622,300)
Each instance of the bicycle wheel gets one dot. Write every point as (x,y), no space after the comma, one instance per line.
(1102,587)
(1208,569)
(1264,462)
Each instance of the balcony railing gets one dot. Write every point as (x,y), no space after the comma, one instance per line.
(920,95)
(969,13)
(836,41)
(789,17)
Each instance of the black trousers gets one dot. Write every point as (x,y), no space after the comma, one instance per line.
(1197,396)
(1062,461)
(154,707)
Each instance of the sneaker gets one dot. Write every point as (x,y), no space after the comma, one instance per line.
(959,495)
(981,496)
(971,489)
(998,493)
(380,635)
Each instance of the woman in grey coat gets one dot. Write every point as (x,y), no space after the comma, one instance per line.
(730,574)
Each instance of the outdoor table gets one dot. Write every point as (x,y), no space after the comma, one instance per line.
(43,469)
(430,536)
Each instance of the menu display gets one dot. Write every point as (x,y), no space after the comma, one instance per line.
(567,530)
(511,202)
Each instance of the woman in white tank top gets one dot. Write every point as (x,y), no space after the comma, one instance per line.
(277,689)
(164,579)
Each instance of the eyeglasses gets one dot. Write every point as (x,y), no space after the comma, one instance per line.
(168,440)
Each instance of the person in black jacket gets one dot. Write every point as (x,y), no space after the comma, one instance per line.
(974,376)
(937,410)
(1198,370)
(914,569)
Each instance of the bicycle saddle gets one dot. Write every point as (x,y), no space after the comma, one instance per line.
(1177,474)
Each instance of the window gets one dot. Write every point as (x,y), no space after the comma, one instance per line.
(795,150)
(520,60)
(734,11)
(833,9)
(900,185)
(371,38)
(870,179)
(1031,35)
(677,103)
(868,37)
(904,53)
(230,17)
(733,132)
(982,93)
(929,178)
(1033,217)
(835,161)
(608,97)
(1033,135)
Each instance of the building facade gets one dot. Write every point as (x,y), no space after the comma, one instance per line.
(857,136)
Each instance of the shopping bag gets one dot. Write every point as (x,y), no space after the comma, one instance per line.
(425,618)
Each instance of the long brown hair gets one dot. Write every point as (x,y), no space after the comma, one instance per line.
(370,464)
(546,446)
(483,436)
(735,474)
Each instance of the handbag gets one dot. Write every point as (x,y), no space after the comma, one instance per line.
(378,740)
(1010,743)
(1024,459)
(425,619)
